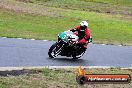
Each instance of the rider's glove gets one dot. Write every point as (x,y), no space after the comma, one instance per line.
(75,42)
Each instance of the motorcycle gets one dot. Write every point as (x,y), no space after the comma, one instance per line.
(67,46)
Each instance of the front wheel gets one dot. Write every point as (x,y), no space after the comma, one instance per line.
(54,50)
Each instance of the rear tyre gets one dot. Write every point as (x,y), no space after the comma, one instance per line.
(79,56)
(78,51)
(75,56)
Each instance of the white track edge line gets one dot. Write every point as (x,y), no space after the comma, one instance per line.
(53,40)
(59,67)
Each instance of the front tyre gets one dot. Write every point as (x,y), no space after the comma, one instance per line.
(54,50)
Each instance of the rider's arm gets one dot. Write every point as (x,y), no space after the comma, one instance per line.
(86,37)
(87,34)
(74,29)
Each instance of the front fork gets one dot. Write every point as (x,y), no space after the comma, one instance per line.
(58,49)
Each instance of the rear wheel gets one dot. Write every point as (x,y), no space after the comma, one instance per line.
(54,50)
(78,56)
(79,52)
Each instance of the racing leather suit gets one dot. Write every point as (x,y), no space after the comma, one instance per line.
(84,35)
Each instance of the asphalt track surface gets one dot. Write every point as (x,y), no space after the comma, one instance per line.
(27,53)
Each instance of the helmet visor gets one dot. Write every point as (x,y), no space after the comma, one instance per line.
(82,27)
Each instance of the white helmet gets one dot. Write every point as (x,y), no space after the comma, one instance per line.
(84,23)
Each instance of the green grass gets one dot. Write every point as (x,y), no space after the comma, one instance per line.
(60,78)
(105,28)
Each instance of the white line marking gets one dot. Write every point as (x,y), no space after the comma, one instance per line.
(4,37)
(44,40)
(19,38)
(119,45)
(103,44)
(53,41)
(52,67)
(32,39)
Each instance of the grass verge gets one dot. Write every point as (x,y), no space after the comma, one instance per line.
(60,78)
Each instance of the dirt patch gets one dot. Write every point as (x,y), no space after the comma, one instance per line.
(17,72)
(28,8)
(26,1)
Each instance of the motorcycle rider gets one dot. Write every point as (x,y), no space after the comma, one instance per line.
(83,32)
